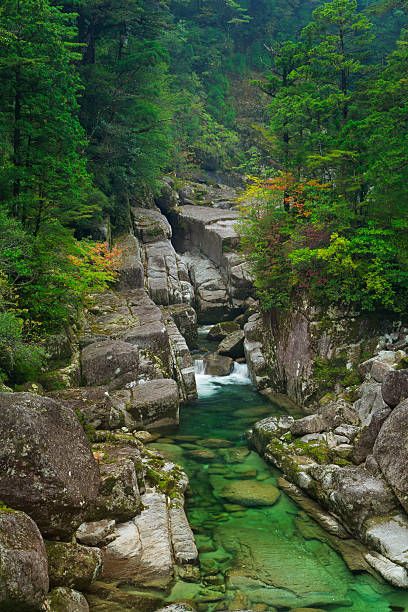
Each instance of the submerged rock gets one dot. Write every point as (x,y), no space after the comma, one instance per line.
(46,465)
(251,493)
(23,563)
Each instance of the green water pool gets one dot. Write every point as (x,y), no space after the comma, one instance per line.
(252,556)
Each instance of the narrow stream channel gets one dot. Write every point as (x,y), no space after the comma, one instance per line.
(258,549)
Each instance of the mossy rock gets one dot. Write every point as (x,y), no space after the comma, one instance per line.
(72,565)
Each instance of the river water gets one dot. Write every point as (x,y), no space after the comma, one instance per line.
(258,549)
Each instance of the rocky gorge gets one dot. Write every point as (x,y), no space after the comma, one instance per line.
(92,511)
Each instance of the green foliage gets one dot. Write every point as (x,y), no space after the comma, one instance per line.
(19,361)
(333,224)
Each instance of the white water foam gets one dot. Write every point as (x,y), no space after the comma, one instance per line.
(209,385)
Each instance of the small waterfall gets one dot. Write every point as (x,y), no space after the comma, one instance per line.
(209,385)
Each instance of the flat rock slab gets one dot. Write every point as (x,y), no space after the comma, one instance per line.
(251,493)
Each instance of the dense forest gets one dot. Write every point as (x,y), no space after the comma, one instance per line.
(306,101)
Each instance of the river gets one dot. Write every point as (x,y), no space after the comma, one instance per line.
(258,549)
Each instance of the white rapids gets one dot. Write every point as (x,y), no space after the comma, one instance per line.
(209,385)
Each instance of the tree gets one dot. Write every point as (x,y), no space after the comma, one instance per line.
(43,167)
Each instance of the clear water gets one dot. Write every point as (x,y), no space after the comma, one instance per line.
(262,558)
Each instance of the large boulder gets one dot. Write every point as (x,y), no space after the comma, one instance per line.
(73,565)
(353,494)
(395,387)
(218,365)
(155,404)
(104,361)
(391,452)
(233,345)
(23,563)
(46,465)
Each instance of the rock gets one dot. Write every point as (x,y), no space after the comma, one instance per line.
(203,455)
(271,427)
(217,365)
(23,563)
(142,551)
(150,225)
(121,557)
(130,268)
(95,533)
(327,417)
(325,520)
(94,405)
(222,330)
(185,318)
(168,198)
(370,401)
(384,359)
(365,439)
(104,361)
(393,573)
(184,372)
(348,431)
(155,404)
(46,465)
(391,452)
(389,535)
(73,565)
(210,230)
(251,493)
(379,371)
(184,548)
(66,600)
(177,608)
(395,387)
(233,345)
(119,496)
(212,301)
(353,494)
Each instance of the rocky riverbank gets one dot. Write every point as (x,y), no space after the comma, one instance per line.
(93,519)
(85,506)
(351,455)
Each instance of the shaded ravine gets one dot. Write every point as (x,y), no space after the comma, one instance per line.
(254,557)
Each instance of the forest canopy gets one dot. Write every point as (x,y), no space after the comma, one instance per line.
(100,100)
